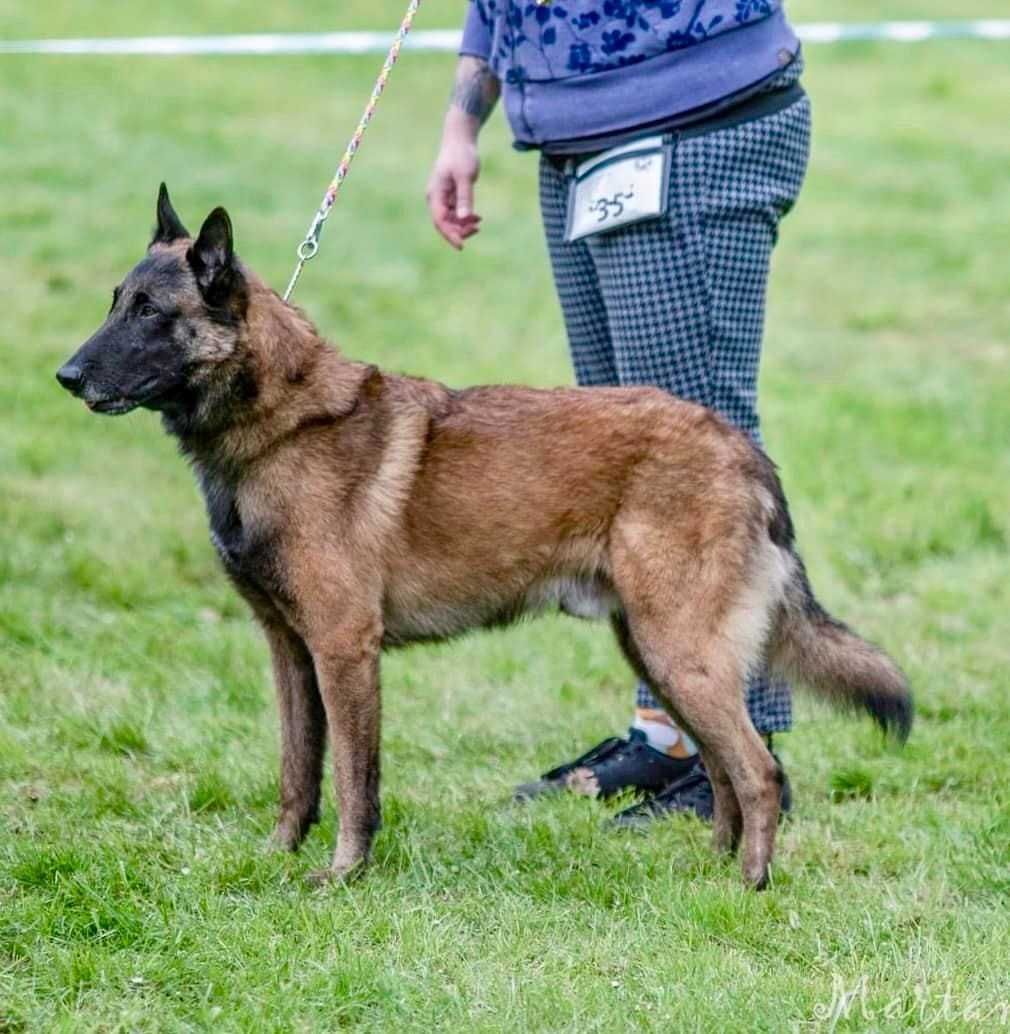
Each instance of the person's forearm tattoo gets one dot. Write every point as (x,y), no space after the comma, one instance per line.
(476,89)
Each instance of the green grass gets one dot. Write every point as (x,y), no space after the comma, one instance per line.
(137,732)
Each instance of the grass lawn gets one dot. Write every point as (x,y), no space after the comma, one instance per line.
(138,740)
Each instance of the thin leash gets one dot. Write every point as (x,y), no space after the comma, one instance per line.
(308,248)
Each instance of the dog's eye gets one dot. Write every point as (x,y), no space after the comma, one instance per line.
(147,310)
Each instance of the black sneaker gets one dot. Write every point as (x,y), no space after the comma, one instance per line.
(610,767)
(691,794)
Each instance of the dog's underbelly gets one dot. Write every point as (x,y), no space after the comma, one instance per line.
(411,620)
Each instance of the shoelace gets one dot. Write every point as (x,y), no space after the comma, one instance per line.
(695,778)
(594,754)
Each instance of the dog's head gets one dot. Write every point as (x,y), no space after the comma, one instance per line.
(175,319)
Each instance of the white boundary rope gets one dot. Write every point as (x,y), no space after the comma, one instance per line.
(259,43)
(447,40)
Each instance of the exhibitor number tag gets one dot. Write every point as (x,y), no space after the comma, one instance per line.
(623,185)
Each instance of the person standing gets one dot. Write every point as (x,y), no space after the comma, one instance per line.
(673,138)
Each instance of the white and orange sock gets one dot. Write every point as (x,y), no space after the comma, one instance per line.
(662,734)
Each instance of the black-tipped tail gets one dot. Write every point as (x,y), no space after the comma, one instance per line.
(821,652)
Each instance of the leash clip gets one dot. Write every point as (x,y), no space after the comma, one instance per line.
(308,248)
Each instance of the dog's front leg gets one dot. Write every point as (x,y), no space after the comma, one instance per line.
(303,734)
(302,720)
(347,669)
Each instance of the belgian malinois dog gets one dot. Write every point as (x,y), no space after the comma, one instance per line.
(355,510)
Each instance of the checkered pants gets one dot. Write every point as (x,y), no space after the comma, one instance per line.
(679,301)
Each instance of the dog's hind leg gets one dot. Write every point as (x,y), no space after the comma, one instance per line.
(698,621)
(727,821)
(619,623)
(706,695)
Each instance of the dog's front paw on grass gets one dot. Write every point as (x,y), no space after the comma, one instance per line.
(278,843)
(341,874)
(287,835)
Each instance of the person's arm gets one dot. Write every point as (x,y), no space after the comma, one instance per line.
(450,186)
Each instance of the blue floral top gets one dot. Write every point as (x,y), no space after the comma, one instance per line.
(626,60)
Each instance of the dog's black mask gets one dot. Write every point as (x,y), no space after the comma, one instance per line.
(175,312)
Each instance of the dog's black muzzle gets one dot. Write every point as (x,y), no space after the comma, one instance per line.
(71,376)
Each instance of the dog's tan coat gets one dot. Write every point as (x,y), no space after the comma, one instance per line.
(357,510)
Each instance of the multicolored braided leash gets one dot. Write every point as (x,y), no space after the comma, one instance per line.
(308,248)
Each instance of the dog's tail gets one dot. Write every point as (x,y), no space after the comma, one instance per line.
(811,646)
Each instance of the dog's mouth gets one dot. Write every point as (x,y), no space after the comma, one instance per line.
(146,395)
(111,407)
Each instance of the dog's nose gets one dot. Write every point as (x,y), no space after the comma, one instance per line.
(71,377)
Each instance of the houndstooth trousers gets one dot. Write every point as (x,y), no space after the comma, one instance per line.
(679,301)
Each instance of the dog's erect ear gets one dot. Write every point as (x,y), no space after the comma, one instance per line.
(212,258)
(169,226)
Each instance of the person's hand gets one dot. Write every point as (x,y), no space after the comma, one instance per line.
(450,188)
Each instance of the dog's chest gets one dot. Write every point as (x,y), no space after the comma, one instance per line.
(228,534)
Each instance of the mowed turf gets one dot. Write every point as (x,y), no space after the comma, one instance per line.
(138,739)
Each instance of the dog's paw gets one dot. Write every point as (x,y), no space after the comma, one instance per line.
(287,837)
(336,874)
